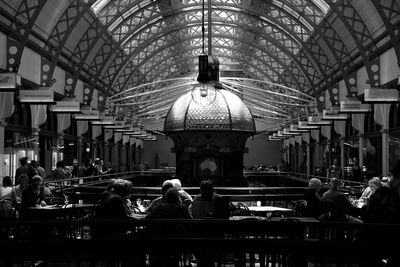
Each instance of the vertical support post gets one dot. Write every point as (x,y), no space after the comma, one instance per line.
(209,28)
(79,149)
(35,135)
(385,151)
(106,153)
(3,170)
(308,159)
(361,139)
(342,156)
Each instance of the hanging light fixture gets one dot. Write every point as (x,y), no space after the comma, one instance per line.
(204,93)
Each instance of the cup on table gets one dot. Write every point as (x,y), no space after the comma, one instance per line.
(146,203)
(258,203)
(80,201)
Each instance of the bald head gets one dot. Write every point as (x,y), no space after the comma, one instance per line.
(334,183)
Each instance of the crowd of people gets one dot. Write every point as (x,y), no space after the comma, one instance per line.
(379,202)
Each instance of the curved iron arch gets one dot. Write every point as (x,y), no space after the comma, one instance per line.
(120,69)
(155,52)
(299,65)
(224,47)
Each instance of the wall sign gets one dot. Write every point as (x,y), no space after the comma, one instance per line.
(106,120)
(88,114)
(9,81)
(354,107)
(66,107)
(40,96)
(378,95)
(317,120)
(303,125)
(333,114)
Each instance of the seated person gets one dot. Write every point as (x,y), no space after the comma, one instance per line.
(17,191)
(171,208)
(373,184)
(208,203)
(35,195)
(314,207)
(6,189)
(113,205)
(384,205)
(337,204)
(167,184)
(185,197)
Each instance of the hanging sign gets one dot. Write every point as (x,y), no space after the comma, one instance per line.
(354,107)
(378,95)
(272,138)
(295,129)
(106,120)
(317,120)
(333,114)
(40,96)
(303,125)
(9,81)
(88,114)
(66,107)
(117,125)
(286,131)
(150,137)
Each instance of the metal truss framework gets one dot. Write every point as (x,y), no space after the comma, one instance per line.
(308,45)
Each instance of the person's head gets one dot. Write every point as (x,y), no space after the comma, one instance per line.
(315,183)
(110,184)
(374,183)
(34,164)
(334,183)
(335,161)
(172,196)
(23,161)
(23,181)
(60,164)
(36,183)
(167,184)
(7,181)
(97,161)
(206,189)
(122,187)
(177,183)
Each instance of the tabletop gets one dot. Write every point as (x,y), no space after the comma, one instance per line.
(267,208)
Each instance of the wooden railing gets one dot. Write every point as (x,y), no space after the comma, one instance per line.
(288,242)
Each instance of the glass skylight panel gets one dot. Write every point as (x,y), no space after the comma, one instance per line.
(99,4)
(322,5)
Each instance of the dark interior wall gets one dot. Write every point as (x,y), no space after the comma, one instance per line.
(158,153)
(262,152)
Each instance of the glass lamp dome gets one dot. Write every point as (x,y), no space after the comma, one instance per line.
(217,110)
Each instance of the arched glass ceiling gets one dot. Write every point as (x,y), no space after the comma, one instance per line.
(280,27)
(162,39)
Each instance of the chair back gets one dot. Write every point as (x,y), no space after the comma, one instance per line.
(203,209)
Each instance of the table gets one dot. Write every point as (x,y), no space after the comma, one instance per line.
(267,209)
(58,211)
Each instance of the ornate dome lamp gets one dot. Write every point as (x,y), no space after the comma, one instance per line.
(209,126)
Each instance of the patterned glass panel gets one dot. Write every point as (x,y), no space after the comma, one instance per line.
(214,116)
(240,114)
(176,116)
